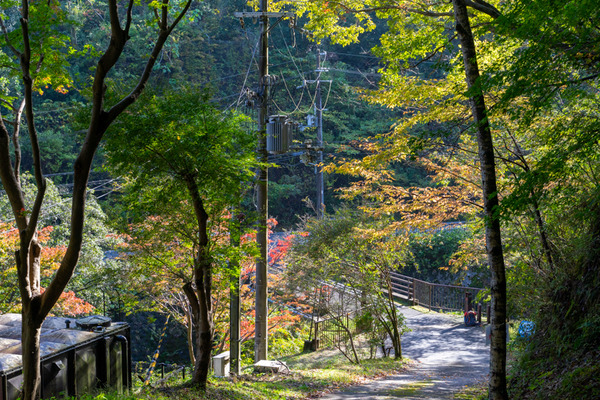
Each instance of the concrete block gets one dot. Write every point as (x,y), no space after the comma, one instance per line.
(274,367)
(221,364)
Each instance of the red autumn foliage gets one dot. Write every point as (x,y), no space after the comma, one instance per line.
(68,304)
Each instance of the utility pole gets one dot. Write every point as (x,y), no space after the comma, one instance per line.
(261,312)
(261,343)
(319,167)
(234,296)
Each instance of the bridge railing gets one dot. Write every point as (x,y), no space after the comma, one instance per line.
(335,329)
(331,331)
(433,295)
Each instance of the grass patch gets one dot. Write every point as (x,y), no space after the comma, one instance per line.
(311,374)
(475,392)
(426,310)
(410,389)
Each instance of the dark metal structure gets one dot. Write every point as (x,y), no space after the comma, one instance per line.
(280,134)
(77,356)
(431,295)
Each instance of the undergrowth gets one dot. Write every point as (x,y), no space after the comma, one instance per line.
(311,374)
(562,359)
(543,370)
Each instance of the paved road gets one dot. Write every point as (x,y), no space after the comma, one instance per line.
(449,357)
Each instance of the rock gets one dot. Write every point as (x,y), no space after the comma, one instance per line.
(273,367)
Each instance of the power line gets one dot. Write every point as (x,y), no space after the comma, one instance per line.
(354,55)
(242,91)
(356,72)
(53,206)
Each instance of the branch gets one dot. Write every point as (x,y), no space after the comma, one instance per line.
(25,60)
(433,53)
(39,64)
(16,142)
(118,39)
(129,18)
(7,104)
(474,204)
(429,13)
(164,20)
(157,17)
(484,7)
(572,81)
(425,12)
(161,154)
(118,108)
(508,160)
(9,182)
(5,32)
(193,301)
(518,151)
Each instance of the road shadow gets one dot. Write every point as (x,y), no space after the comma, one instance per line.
(448,355)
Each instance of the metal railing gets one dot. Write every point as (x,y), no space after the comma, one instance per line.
(330,332)
(433,295)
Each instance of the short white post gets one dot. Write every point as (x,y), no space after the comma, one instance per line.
(221,364)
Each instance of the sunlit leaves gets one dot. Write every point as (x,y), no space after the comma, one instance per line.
(48,42)
(186,163)
(179,137)
(69,305)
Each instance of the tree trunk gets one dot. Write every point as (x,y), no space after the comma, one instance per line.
(202,295)
(28,268)
(36,305)
(190,334)
(497,384)
(355,359)
(539,220)
(30,344)
(396,337)
(393,315)
(202,366)
(204,327)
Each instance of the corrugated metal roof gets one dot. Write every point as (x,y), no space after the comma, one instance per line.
(55,337)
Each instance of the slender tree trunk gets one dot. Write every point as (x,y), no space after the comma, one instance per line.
(537,213)
(30,343)
(190,334)
(344,325)
(395,335)
(35,304)
(203,283)
(234,295)
(205,328)
(202,318)
(497,384)
(539,220)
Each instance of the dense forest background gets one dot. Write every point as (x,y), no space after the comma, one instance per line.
(400,154)
(211,51)
(215,51)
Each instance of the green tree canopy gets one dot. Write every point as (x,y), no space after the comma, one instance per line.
(181,157)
